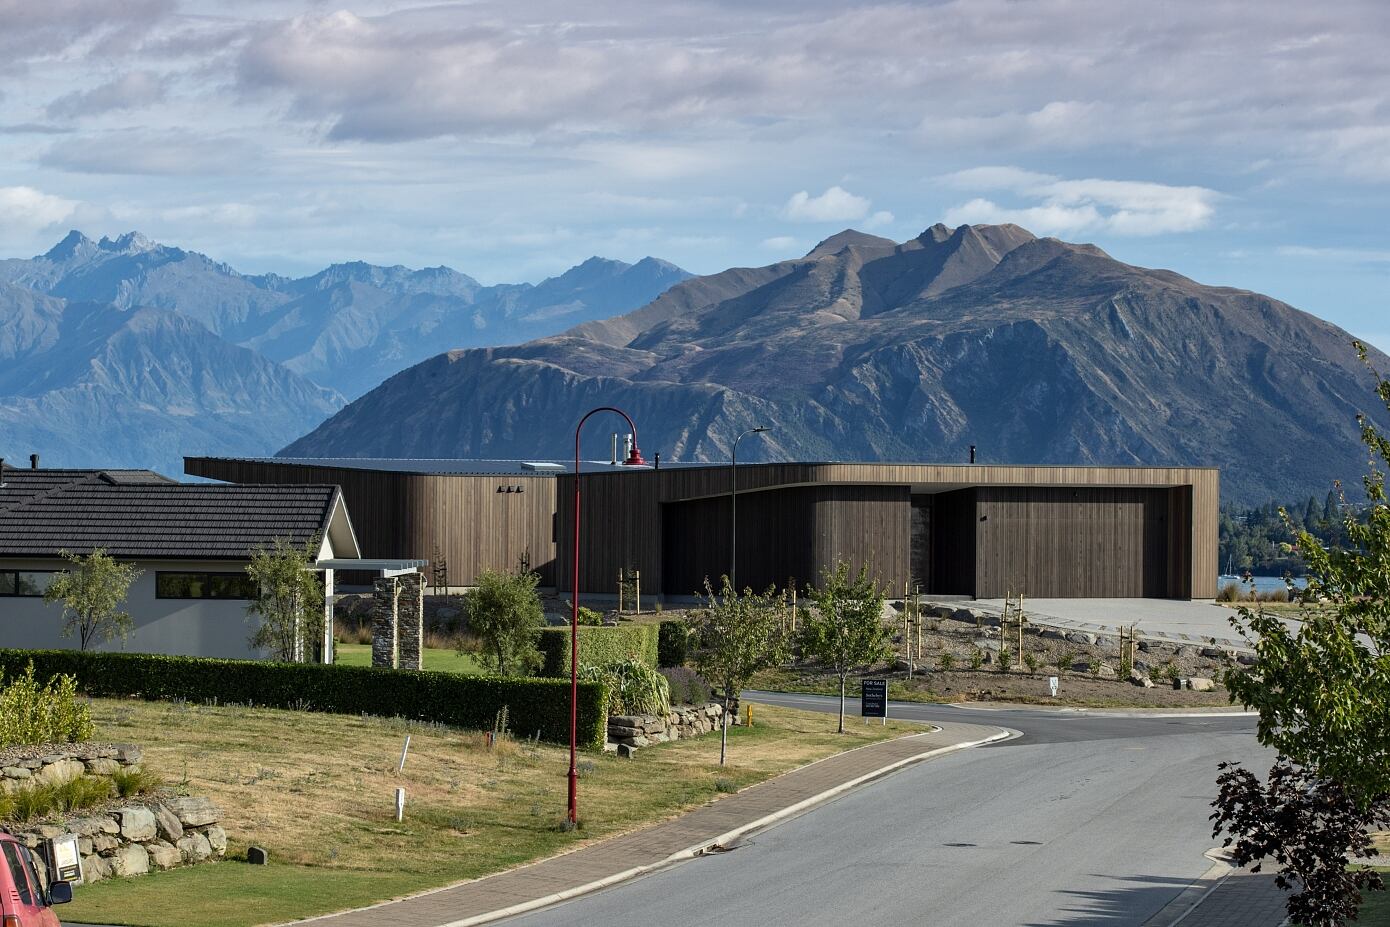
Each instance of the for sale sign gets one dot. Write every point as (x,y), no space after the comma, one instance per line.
(873,698)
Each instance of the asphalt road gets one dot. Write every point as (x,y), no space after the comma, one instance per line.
(1082,820)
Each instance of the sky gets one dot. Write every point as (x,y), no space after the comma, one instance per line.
(1241,144)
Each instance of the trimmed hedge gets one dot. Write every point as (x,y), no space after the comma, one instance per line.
(598,646)
(672,644)
(447,698)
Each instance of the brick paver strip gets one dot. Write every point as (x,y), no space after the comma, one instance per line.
(471,902)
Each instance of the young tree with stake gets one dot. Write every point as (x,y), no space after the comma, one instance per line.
(92,593)
(289,599)
(734,636)
(504,612)
(844,628)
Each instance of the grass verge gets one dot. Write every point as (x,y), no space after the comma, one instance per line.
(317,790)
(439,659)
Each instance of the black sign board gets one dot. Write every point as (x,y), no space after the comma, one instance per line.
(873,698)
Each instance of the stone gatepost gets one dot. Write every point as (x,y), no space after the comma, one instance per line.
(411,620)
(386,595)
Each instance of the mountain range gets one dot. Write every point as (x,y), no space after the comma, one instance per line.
(1033,349)
(126,352)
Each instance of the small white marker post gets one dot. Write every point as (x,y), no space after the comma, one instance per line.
(400,805)
(1052,685)
(404,750)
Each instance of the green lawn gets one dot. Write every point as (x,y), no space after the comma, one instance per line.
(440,659)
(1375,911)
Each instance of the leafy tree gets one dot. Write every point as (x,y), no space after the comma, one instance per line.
(289,599)
(504,612)
(1310,515)
(844,629)
(1322,690)
(92,593)
(735,635)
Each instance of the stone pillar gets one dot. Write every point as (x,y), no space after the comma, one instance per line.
(385,633)
(411,624)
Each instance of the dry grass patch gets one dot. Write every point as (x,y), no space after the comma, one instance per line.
(317,790)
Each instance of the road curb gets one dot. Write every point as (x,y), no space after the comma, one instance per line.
(1191,898)
(704,846)
(1100,712)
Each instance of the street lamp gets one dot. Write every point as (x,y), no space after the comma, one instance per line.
(634,459)
(733,505)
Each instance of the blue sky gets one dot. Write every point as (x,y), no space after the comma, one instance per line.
(1241,144)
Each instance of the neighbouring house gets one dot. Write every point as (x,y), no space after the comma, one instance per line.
(192,542)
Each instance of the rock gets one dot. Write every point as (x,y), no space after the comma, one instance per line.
(105,843)
(102,766)
(1053,634)
(217,838)
(639,741)
(1213,653)
(1107,671)
(128,754)
(131,860)
(889,613)
(15,772)
(1081,666)
(195,812)
(1146,646)
(905,666)
(626,751)
(658,737)
(1081,637)
(8,786)
(623,730)
(168,824)
(85,846)
(963,614)
(30,764)
(63,770)
(137,823)
(164,855)
(96,868)
(987,643)
(1246,659)
(1141,680)
(1200,684)
(257,856)
(49,831)
(1106,642)
(610,747)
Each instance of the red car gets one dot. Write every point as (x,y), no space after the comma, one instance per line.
(24,901)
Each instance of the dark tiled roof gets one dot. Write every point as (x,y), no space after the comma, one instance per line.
(162,520)
(18,485)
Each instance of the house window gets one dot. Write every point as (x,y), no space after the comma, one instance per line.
(203,586)
(24,582)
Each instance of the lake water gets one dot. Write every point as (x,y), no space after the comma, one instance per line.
(1262,583)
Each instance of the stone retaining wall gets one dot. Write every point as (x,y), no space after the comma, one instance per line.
(124,837)
(24,766)
(138,836)
(628,733)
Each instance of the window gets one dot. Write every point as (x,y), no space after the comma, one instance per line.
(203,586)
(21,883)
(24,582)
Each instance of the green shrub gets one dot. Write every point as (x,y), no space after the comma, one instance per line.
(672,643)
(598,646)
(536,705)
(589,618)
(634,688)
(1031,661)
(41,714)
(977,658)
(947,660)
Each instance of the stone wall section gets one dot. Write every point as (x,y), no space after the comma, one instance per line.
(410,617)
(126,837)
(629,733)
(385,622)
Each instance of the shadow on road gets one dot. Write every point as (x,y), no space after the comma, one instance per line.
(1140,898)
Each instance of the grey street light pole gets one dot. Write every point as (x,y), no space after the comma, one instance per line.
(733,505)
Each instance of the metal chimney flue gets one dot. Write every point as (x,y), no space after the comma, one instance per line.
(614,461)
(33,461)
(972,453)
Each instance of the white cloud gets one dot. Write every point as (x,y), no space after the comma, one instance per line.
(780,243)
(879,219)
(834,205)
(1068,207)
(33,209)
(135,89)
(1355,255)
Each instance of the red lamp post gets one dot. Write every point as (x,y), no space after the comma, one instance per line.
(634,459)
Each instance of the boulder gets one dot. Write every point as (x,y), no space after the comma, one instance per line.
(164,855)
(1213,653)
(1141,680)
(963,614)
(626,751)
(1107,671)
(128,754)
(1146,646)
(987,643)
(64,770)
(102,766)
(1081,637)
(195,812)
(104,843)
(137,823)
(1246,659)
(95,868)
(1200,684)
(131,860)
(217,838)
(168,824)
(85,847)
(15,772)
(1053,634)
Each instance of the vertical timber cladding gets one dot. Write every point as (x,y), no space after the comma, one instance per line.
(1087,542)
(776,530)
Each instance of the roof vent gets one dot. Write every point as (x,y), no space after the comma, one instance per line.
(33,461)
(543,465)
